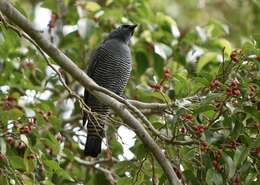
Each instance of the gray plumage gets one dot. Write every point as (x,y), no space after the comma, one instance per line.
(110,67)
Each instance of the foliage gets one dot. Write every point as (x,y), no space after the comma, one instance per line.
(214,122)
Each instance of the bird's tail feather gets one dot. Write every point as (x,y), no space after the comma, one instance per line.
(93,146)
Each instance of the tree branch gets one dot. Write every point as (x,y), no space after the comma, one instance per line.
(102,94)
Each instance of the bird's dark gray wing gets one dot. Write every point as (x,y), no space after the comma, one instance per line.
(90,71)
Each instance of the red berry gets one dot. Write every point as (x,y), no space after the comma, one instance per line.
(9,103)
(167,74)
(199,129)
(60,138)
(2,157)
(62,72)
(30,157)
(234,84)
(24,130)
(178,173)
(218,156)
(233,144)
(33,121)
(19,145)
(183,130)
(235,181)
(41,168)
(258,106)
(257,125)
(257,150)
(187,117)
(229,92)
(214,85)
(54,16)
(10,140)
(215,163)
(204,146)
(167,70)
(156,87)
(237,92)
(233,56)
(258,58)
(49,113)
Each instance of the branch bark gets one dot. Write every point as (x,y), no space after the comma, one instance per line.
(61,59)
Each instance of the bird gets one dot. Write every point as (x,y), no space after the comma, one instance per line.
(110,65)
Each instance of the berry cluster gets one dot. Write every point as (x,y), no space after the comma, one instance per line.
(233,144)
(45,115)
(9,103)
(204,146)
(167,74)
(30,157)
(216,161)
(28,128)
(233,89)
(187,118)
(214,85)
(159,86)
(60,137)
(156,87)
(199,129)
(235,181)
(234,56)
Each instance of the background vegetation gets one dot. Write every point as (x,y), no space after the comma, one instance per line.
(201,57)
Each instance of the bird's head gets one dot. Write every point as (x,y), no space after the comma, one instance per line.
(123,33)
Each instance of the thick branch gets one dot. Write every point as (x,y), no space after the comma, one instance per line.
(143,105)
(16,17)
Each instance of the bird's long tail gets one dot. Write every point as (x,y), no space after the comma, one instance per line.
(93,145)
(94,138)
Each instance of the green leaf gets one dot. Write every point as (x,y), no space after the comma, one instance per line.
(116,147)
(223,43)
(124,181)
(181,86)
(139,149)
(168,23)
(50,4)
(92,6)
(2,146)
(161,96)
(203,108)
(158,65)
(213,177)
(229,166)
(52,142)
(141,61)
(237,130)
(53,165)
(191,177)
(162,50)
(29,163)
(240,155)
(3,180)
(253,112)
(205,59)
(55,122)
(17,162)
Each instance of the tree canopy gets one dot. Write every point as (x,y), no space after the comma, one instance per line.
(194,89)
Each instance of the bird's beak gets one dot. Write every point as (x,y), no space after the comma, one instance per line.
(132,28)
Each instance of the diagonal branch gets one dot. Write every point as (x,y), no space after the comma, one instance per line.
(61,59)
